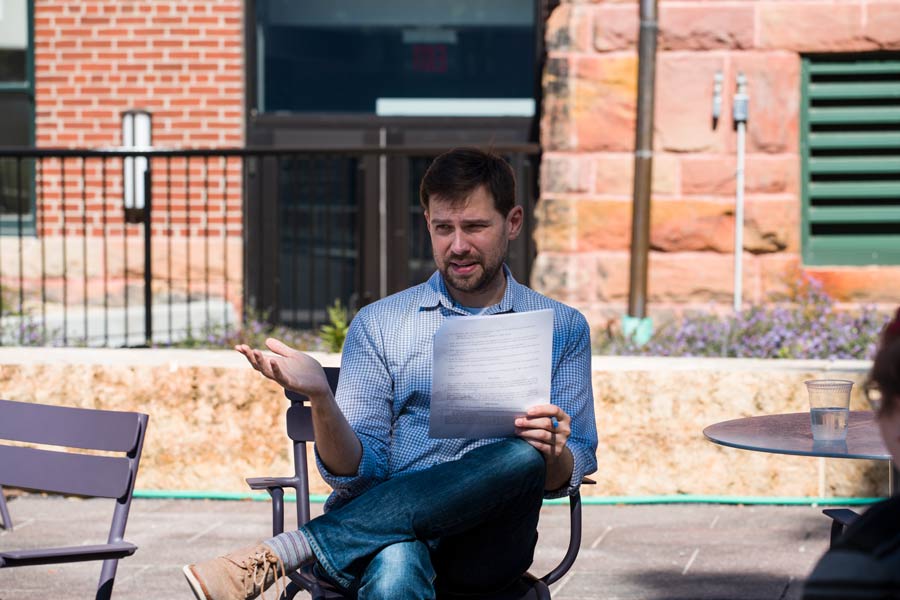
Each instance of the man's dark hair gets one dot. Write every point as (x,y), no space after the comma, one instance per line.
(454,175)
(885,372)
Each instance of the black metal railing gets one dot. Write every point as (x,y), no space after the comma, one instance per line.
(125,247)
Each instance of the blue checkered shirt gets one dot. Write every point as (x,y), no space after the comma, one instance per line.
(385,384)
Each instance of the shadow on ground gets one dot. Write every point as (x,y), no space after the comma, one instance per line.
(660,552)
(726,585)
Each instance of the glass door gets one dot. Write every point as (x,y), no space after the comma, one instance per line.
(355,74)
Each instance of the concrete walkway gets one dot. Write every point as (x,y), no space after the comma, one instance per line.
(659,552)
(117,327)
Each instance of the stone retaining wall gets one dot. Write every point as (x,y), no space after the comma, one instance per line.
(215,421)
(651,413)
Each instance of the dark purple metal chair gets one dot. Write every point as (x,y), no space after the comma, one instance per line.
(66,472)
(4,513)
(300,431)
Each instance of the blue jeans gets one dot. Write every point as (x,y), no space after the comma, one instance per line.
(469,526)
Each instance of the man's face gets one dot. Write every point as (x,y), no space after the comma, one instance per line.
(469,240)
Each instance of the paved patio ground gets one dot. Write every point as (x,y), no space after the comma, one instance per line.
(656,552)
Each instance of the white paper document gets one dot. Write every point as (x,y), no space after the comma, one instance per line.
(488,370)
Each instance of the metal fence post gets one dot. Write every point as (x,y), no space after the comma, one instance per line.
(148,269)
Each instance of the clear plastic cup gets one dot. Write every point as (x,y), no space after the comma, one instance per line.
(829,408)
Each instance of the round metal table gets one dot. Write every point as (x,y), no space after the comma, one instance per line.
(791,434)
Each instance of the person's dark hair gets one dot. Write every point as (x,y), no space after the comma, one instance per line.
(885,374)
(454,175)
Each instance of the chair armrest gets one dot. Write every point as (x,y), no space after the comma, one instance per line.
(844,516)
(264,483)
(841,518)
(574,541)
(48,556)
(275,487)
(574,536)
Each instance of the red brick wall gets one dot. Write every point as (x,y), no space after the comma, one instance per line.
(183,61)
(590,88)
(180,59)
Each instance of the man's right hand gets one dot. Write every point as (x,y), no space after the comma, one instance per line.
(336,442)
(290,368)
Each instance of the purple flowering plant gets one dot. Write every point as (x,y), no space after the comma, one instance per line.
(20,327)
(254,331)
(27,330)
(808,325)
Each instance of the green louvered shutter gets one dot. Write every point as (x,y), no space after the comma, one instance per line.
(850,149)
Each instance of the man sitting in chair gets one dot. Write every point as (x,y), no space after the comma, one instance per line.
(411,514)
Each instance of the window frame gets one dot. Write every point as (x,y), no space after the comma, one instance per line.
(24,223)
(853,249)
(542,9)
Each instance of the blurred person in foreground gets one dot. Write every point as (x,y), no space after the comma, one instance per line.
(412,516)
(865,561)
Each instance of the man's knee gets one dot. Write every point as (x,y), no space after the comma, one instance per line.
(402,570)
(520,458)
(527,456)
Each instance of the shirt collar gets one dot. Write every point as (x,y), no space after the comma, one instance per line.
(436,294)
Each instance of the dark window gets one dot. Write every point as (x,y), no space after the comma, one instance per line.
(12,64)
(318,249)
(397,57)
(17,110)
(15,173)
(420,255)
(850,144)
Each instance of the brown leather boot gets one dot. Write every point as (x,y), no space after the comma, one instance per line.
(239,575)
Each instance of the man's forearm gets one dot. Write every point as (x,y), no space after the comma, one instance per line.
(336,442)
(559,470)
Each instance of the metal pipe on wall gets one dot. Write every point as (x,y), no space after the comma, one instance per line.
(739,114)
(643,160)
(643,169)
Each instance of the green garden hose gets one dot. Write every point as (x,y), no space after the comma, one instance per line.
(586,500)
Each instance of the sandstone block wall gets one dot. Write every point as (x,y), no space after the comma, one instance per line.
(652,412)
(215,421)
(588,129)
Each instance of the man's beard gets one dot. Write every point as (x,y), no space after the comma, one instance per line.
(469,284)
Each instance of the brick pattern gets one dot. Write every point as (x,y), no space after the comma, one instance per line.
(197,197)
(180,59)
(590,87)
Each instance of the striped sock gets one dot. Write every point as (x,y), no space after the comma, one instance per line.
(292,548)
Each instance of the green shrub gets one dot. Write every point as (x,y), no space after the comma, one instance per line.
(334,332)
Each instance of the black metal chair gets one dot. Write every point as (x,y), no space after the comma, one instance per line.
(841,519)
(66,472)
(300,431)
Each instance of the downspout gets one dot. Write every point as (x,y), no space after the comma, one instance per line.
(636,325)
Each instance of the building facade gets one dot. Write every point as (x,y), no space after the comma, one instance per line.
(822,189)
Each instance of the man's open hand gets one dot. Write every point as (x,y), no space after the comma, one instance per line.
(546,427)
(290,368)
